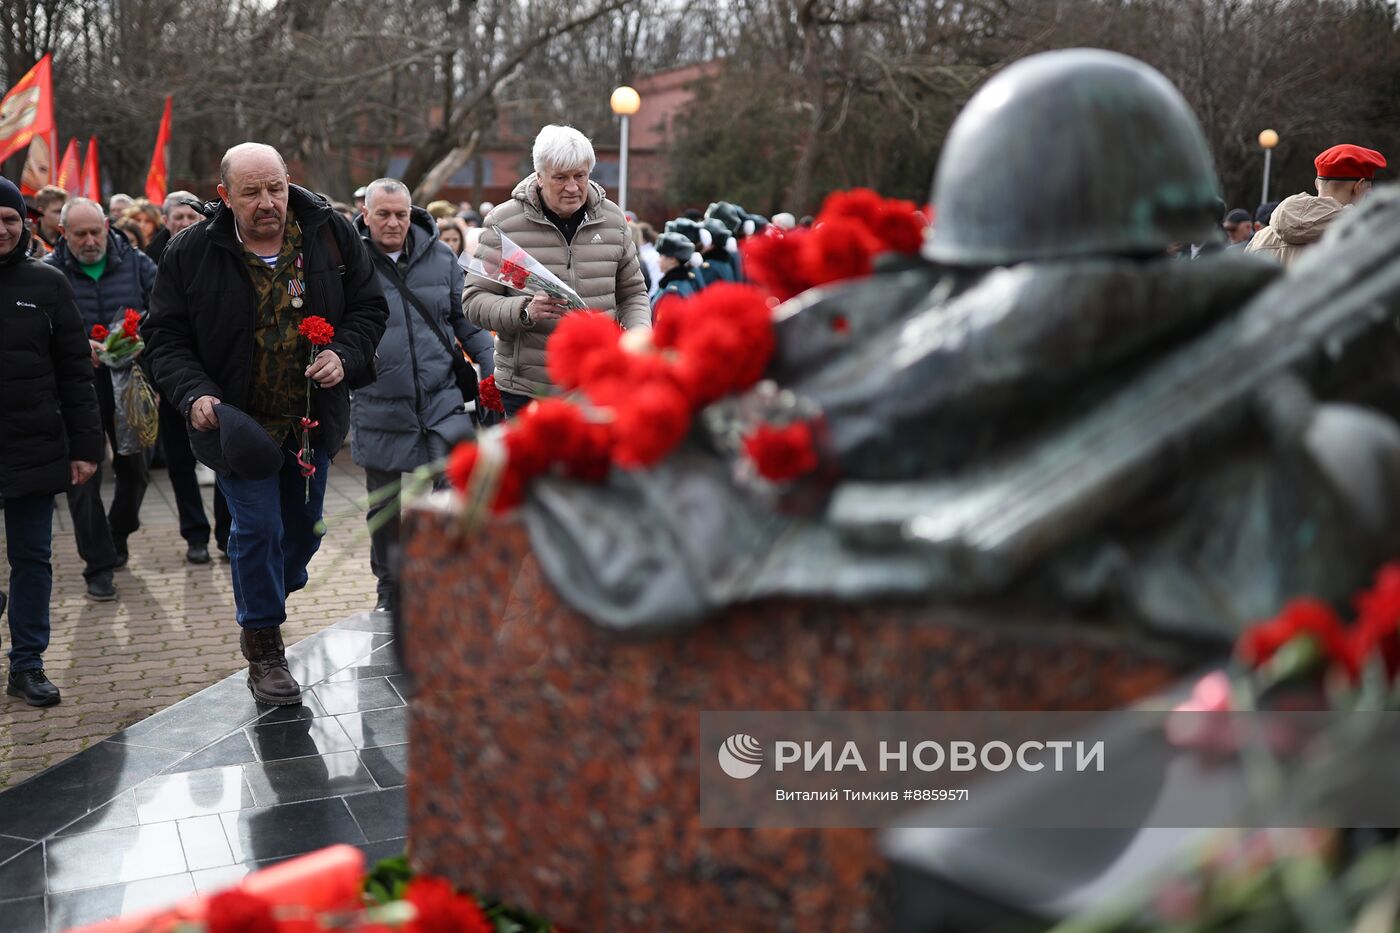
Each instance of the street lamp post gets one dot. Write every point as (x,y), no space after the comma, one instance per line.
(1268,139)
(625,103)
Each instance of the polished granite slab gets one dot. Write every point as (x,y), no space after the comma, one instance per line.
(196,796)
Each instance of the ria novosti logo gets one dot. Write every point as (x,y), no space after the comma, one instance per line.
(740,756)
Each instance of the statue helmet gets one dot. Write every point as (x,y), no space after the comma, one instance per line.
(1079,152)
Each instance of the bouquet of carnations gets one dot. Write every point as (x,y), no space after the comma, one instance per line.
(520,272)
(137,410)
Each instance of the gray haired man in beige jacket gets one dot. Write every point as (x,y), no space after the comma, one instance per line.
(564,221)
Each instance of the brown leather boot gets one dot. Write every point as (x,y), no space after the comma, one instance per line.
(268,676)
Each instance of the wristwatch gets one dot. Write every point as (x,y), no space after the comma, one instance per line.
(525,319)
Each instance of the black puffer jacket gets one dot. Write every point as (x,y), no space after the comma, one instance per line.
(199,333)
(126,281)
(48,411)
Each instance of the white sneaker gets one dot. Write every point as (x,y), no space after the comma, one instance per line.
(204,475)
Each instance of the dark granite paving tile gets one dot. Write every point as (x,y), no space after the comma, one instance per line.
(355,696)
(376,727)
(314,659)
(402,684)
(24,915)
(22,875)
(11,846)
(380,622)
(298,738)
(192,724)
(364,673)
(389,848)
(230,750)
(120,812)
(114,856)
(78,908)
(382,814)
(192,793)
(308,708)
(290,829)
(204,842)
(73,788)
(310,778)
(388,765)
(382,640)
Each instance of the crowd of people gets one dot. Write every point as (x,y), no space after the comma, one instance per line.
(277,322)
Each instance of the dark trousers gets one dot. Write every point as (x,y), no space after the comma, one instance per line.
(93,529)
(179,466)
(28,547)
(512,403)
(383,519)
(275,533)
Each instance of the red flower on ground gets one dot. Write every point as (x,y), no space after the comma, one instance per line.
(900,227)
(491,394)
(514,273)
(835,251)
(782,454)
(236,911)
(775,263)
(99,332)
(317,330)
(131,321)
(442,910)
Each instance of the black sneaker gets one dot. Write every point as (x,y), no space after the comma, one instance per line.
(197,553)
(122,555)
(100,589)
(34,687)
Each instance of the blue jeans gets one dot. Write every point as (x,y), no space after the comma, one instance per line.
(272,538)
(28,546)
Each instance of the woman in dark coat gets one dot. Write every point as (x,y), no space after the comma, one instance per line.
(51,430)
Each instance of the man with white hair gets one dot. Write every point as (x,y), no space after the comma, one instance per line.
(178,215)
(118,203)
(108,276)
(566,222)
(224,329)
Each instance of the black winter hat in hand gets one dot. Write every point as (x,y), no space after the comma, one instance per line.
(238,446)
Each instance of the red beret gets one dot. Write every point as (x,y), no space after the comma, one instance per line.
(1348,161)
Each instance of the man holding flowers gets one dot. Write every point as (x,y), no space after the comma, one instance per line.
(231,323)
(108,278)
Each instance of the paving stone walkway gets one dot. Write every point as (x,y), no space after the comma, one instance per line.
(171,631)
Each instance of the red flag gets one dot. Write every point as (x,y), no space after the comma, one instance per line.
(92,180)
(155,178)
(26,116)
(69,169)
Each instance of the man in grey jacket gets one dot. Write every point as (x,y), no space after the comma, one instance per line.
(414,412)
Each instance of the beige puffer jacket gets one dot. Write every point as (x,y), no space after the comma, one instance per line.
(601,265)
(1296,222)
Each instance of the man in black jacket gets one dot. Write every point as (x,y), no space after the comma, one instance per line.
(108,276)
(51,430)
(223,328)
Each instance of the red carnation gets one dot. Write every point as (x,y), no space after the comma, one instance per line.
(317,330)
(576,338)
(782,454)
(1300,617)
(861,205)
(460,465)
(1377,629)
(837,251)
(651,422)
(776,263)
(99,333)
(236,911)
(900,227)
(442,910)
(514,274)
(491,395)
(131,321)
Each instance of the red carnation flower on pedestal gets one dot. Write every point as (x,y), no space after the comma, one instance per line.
(236,911)
(442,910)
(99,333)
(782,454)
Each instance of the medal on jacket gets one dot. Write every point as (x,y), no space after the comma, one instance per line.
(296,287)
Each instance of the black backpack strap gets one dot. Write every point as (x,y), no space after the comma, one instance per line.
(333,247)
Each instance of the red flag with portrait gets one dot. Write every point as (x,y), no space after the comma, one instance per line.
(156,178)
(26,117)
